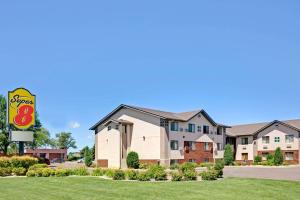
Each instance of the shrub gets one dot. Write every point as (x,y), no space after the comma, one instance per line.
(188,166)
(219,166)
(208,165)
(270,160)
(132,174)
(278,157)
(176,176)
(98,172)
(190,175)
(88,158)
(110,173)
(175,166)
(81,171)
(144,166)
(38,166)
(5,171)
(160,175)
(143,176)
(228,155)
(61,172)
(257,159)
(119,175)
(132,160)
(20,171)
(209,175)
(18,161)
(157,172)
(46,172)
(30,173)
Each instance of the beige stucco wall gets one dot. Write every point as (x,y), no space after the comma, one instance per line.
(244,148)
(197,136)
(278,131)
(144,126)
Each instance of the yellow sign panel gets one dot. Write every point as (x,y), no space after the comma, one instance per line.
(21,108)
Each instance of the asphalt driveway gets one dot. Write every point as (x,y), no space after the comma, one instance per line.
(279,173)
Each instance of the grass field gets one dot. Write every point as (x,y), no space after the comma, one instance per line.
(96,188)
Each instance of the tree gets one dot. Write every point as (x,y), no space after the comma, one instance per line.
(133,160)
(41,138)
(83,150)
(93,152)
(4,135)
(278,157)
(65,140)
(228,155)
(88,158)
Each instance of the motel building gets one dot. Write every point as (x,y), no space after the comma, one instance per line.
(157,136)
(167,138)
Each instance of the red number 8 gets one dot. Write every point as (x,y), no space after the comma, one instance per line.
(24,117)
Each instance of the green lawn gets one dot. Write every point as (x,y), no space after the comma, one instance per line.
(96,188)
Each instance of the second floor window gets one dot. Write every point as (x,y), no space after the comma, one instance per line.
(199,128)
(277,139)
(265,139)
(174,145)
(191,128)
(289,138)
(190,145)
(206,146)
(219,146)
(206,129)
(174,126)
(244,141)
(219,131)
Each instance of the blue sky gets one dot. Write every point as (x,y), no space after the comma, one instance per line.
(238,61)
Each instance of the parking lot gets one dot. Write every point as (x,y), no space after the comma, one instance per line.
(279,173)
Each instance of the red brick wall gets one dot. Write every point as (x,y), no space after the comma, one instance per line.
(149,161)
(102,163)
(199,154)
(294,161)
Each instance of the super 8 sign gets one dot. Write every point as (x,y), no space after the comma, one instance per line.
(21,108)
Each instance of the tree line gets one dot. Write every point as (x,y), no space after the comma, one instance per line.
(41,135)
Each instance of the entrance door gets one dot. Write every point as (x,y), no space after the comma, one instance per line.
(124,141)
(245,156)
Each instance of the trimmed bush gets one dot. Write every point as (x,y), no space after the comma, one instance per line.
(157,172)
(219,166)
(143,176)
(175,166)
(257,159)
(228,155)
(20,171)
(188,166)
(132,160)
(18,161)
(110,172)
(132,174)
(119,175)
(98,172)
(209,175)
(38,166)
(30,173)
(190,175)
(208,165)
(144,166)
(46,172)
(61,172)
(176,176)
(270,160)
(278,157)
(81,171)
(5,171)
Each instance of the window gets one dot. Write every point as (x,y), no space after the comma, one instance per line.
(190,145)
(117,127)
(219,146)
(244,141)
(174,145)
(109,128)
(174,161)
(174,126)
(219,131)
(265,139)
(192,160)
(289,156)
(277,139)
(289,138)
(191,128)
(206,129)
(199,128)
(206,146)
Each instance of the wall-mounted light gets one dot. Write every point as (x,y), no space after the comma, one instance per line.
(144,138)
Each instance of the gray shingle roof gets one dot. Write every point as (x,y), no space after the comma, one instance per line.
(251,129)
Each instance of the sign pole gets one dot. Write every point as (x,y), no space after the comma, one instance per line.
(21,148)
